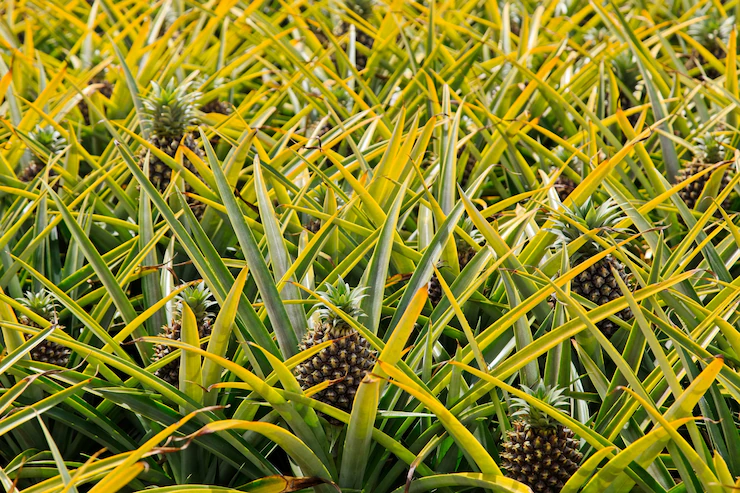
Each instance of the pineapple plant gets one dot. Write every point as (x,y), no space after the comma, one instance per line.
(50,141)
(539,451)
(531,78)
(710,151)
(199,299)
(597,283)
(627,73)
(713,33)
(465,253)
(349,357)
(170,112)
(42,304)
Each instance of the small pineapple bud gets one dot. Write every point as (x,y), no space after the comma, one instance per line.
(572,223)
(48,139)
(344,298)
(199,299)
(41,303)
(170,110)
(710,148)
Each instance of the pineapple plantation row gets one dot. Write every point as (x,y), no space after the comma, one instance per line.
(365,246)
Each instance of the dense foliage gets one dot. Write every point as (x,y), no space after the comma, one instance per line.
(371,246)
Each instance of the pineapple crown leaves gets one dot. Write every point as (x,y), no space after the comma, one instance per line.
(199,299)
(534,417)
(710,148)
(626,69)
(596,34)
(570,158)
(41,303)
(96,58)
(467,225)
(362,8)
(170,110)
(320,192)
(575,222)
(48,138)
(566,8)
(712,32)
(342,297)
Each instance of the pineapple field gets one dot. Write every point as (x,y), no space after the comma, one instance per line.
(375,246)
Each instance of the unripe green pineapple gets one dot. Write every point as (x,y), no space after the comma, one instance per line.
(199,299)
(465,253)
(710,151)
(539,451)
(597,283)
(170,111)
(48,143)
(564,186)
(42,304)
(347,360)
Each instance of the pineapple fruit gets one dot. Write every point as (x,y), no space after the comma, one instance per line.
(216,106)
(349,357)
(199,299)
(710,151)
(465,254)
(313,225)
(539,451)
(564,186)
(170,112)
(42,304)
(51,141)
(597,283)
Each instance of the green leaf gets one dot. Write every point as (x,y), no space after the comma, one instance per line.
(220,335)
(466,480)
(58,459)
(190,364)
(295,448)
(359,433)
(215,281)
(284,331)
(377,271)
(279,256)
